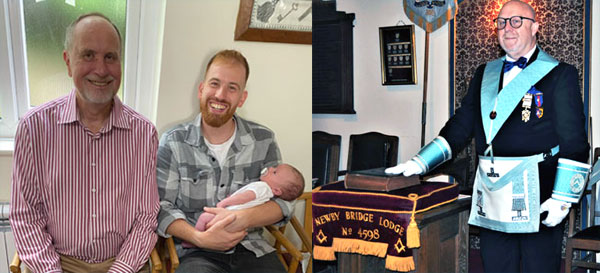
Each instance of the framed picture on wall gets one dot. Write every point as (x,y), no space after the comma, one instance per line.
(397,49)
(275,21)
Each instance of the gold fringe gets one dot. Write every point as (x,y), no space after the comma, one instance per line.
(402,264)
(360,246)
(412,232)
(324,253)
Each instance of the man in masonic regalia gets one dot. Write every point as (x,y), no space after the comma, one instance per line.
(526,115)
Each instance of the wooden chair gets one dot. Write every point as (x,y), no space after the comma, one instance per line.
(169,261)
(157,262)
(325,157)
(588,239)
(371,150)
(289,255)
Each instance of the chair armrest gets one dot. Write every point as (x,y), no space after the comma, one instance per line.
(305,196)
(285,242)
(15,265)
(302,234)
(172,253)
(155,261)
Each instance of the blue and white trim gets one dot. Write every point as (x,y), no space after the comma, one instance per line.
(433,154)
(571,177)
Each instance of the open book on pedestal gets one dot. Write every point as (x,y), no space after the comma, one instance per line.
(377,180)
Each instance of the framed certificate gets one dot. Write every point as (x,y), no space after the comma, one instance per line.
(284,21)
(397,47)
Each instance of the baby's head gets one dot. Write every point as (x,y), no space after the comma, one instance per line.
(286,181)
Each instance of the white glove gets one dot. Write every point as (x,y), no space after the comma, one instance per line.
(557,211)
(407,168)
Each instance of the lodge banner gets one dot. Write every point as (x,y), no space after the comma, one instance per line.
(369,223)
(430,15)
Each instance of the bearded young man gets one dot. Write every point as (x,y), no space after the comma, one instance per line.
(202,162)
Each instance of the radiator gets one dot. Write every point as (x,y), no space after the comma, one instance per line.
(7,241)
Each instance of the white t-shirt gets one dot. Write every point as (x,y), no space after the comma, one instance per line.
(220,150)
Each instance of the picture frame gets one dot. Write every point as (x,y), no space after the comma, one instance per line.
(397,50)
(280,21)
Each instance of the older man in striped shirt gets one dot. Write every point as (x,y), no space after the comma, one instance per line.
(84,196)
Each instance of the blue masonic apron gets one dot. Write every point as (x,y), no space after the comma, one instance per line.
(506,190)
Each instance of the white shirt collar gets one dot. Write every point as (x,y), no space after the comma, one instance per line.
(527,55)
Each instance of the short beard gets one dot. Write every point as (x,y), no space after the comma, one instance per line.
(90,97)
(215,120)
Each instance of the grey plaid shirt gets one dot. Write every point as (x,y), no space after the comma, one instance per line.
(190,178)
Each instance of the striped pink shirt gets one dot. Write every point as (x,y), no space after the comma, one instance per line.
(84,195)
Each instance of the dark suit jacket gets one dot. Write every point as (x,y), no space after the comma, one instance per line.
(563,123)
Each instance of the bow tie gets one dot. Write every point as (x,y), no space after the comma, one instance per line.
(521,63)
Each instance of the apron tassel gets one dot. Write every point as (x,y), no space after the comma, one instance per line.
(412,232)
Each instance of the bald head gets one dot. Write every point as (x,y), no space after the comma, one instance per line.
(70,33)
(527,10)
(517,37)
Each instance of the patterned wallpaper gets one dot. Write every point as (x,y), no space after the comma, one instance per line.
(561,35)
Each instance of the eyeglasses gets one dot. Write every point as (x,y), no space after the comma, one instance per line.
(515,22)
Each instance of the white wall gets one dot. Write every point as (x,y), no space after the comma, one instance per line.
(394,109)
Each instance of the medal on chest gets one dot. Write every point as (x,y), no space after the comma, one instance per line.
(526,113)
(528,100)
(539,101)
